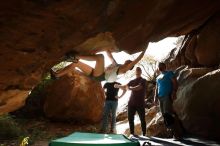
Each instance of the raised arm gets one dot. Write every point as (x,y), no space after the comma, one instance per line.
(109,54)
(137,59)
(125,67)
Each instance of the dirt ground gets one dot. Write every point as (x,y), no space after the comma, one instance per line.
(42,131)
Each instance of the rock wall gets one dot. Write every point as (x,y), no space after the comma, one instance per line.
(12,100)
(197,104)
(35,34)
(198,100)
(199,48)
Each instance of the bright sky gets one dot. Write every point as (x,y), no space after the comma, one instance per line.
(161,49)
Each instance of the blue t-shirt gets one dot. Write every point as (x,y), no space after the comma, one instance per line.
(164,84)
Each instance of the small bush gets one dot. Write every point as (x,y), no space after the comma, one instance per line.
(8,128)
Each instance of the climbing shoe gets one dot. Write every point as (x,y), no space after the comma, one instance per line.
(52,75)
(70,57)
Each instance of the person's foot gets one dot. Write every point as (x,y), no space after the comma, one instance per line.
(113,131)
(71,57)
(102,131)
(177,138)
(131,136)
(52,75)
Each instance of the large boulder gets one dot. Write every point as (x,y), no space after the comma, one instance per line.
(74,97)
(198,101)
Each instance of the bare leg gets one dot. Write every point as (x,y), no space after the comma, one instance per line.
(99,66)
(86,69)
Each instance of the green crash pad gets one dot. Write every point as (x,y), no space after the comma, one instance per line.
(86,139)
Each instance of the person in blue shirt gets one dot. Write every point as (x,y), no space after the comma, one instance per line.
(166,88)
(165,92)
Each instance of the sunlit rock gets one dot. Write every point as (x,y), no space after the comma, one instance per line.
(155,124)
(12,100)
(74,97)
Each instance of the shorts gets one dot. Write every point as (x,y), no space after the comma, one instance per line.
(98,78)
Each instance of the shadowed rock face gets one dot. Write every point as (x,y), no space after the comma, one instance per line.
(199,48)
(35,34)
(198,101)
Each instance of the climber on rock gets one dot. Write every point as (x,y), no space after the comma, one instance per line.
(99,72)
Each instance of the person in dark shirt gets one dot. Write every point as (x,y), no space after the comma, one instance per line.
(136,101)
(111,104)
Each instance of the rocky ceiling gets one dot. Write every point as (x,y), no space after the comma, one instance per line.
(35,34)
